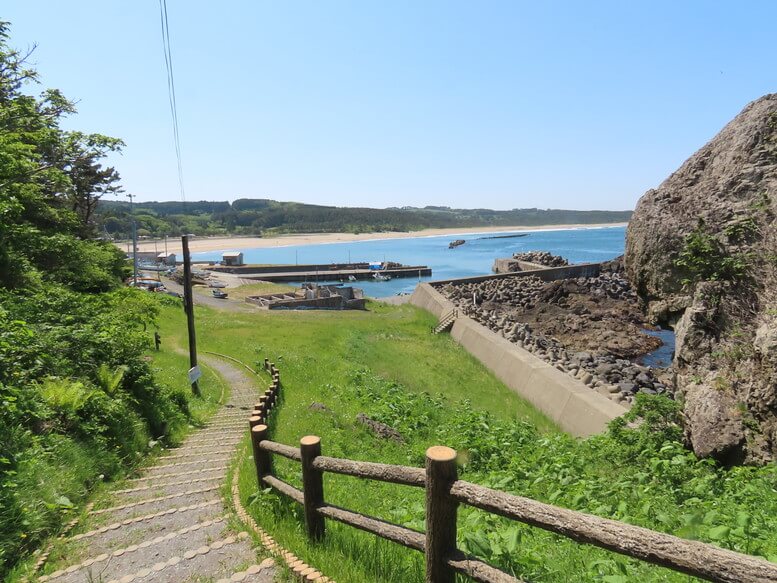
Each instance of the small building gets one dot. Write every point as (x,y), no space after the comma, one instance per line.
(166,258)
(232,258)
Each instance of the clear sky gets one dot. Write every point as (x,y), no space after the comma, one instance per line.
(510,104)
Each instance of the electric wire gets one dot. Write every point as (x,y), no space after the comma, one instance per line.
(171,94)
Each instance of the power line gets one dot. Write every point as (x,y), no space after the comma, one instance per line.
(171,92)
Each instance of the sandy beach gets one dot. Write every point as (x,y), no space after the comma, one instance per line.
(200,244)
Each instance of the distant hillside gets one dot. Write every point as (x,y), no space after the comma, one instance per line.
(265,217)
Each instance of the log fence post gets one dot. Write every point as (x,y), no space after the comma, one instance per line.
(312,486)
(254,420)
(262,459)
(440,513)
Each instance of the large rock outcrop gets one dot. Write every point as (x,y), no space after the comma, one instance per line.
(701,251)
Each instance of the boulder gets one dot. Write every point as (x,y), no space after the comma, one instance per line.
(700,253)
(380,429)
(714,424)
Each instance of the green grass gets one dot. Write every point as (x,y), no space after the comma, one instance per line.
(384,363)
(170,369)
(322,346)
(319,350)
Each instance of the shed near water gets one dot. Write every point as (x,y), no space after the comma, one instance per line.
(166,258)
(232,258)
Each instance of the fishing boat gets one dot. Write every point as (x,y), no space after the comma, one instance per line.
(351,278)
(381,277)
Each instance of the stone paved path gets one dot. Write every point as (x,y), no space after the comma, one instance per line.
(170,524)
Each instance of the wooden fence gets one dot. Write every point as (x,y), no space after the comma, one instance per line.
(445,492)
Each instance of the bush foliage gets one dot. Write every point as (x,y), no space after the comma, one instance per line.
(78,402)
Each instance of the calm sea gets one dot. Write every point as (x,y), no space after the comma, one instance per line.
(475,257)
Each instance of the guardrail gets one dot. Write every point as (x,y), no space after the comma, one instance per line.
(445,492)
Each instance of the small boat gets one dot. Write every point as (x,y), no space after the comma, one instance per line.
(217,293)
(456,243)
(351,278)
(381,277)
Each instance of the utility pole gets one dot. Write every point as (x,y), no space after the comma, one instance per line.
(165,247)
(188,304)
(134,244)
(156,262)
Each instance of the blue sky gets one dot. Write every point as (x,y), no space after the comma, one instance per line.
(468,104)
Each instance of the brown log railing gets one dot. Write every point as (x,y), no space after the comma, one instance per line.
(444,493)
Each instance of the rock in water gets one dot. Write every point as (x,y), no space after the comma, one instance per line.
(701,251)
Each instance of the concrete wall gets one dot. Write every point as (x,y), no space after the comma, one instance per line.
(336,302)
(428,298)
(577,409)
(545,274)
(282,268)
(510,265)
(529,266)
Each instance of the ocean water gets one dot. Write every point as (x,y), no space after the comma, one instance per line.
(475,257)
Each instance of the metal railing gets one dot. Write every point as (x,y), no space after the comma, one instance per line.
(448,319)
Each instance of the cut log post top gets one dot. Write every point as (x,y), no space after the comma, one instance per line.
(440,514)
(312,486)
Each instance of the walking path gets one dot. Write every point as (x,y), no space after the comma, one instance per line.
(171,524)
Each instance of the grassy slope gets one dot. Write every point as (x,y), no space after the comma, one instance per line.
(664,488)
(317,351)
(315,348)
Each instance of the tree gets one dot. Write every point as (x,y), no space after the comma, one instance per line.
(50,182)
(89,181)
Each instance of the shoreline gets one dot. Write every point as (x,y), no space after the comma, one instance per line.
(238,243)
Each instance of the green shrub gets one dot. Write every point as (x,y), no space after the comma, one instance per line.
(704,258)
(79,402)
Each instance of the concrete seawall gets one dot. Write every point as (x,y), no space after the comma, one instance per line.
(545,273)
(577,409)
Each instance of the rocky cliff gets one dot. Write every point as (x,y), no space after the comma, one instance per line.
(701,251)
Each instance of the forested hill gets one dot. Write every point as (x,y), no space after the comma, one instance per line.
(264,216)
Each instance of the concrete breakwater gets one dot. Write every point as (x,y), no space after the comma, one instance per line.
(570,403)
(617,378)
(323,272)
(528,261)
(490,326)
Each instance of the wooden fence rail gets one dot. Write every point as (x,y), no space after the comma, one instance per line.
(445,492)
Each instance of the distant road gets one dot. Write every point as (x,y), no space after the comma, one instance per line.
(205,299)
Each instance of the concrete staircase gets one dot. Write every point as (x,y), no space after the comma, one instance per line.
(446,322)
(171,524)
